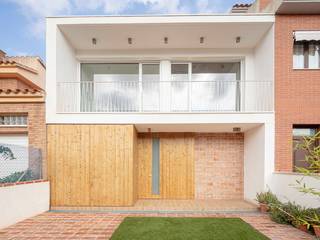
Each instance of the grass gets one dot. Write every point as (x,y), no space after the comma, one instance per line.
(163,228)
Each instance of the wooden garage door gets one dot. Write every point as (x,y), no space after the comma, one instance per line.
(176,166)
(91,165)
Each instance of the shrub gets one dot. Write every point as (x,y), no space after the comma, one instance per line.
(267,198)
(278,215)
(18,177)
(312,149)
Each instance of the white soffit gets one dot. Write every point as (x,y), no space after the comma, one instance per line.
(150,34)
(307,35)
(204,128)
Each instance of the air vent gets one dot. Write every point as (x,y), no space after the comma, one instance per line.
(236,129)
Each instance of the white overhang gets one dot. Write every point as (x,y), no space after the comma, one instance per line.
(149,32)
(307,35)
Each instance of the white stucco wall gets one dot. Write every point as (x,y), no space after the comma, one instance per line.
(283,185)
(19,202)
(263,71)
(254,148)
(258,159)
(62,66)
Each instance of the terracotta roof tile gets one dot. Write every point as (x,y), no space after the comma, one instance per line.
(21,92)
(241,5)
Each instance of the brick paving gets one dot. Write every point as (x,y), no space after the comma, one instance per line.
(57,225)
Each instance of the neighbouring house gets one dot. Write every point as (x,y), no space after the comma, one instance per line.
(22,117)
(180,106)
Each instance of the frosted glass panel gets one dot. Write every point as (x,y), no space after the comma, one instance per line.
(156,166)
(214,86)
(179,87)
(110,87)
(150,87)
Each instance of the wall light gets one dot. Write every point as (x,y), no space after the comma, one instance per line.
(129,40)
(165,40)
(201,40)
(236,129)
(238,39)
(94,41)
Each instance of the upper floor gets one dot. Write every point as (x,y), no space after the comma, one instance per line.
(129,69)
(185,64)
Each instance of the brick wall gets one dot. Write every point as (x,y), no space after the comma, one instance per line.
(297,92)
(263,4)
(36,128)
(219,166)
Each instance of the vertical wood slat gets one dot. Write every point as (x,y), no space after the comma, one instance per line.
(176,166)
(91,165)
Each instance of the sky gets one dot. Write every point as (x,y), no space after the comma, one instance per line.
(22,22)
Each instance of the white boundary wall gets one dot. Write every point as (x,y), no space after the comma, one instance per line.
(22,201)
(282,184)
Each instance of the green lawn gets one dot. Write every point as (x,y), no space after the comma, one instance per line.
(161,228)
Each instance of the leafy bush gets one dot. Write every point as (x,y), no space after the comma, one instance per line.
(313,216)
(267,198)
(6,153)
(312,149)
(291,213)
(278,215)
(18,177)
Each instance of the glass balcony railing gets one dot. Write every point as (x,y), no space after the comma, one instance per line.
(165,96)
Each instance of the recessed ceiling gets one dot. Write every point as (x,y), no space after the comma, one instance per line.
(151,36)
(216,127)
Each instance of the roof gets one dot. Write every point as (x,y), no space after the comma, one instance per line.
(23,92)
(7,62)
(240,8)
(29,69)
(242,5)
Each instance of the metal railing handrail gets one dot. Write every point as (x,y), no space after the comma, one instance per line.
(168,81)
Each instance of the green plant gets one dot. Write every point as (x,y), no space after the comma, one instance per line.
(267,198)
(6,153)
(312,149)
(278,215)
(313,216)
(291,213)
(18,177)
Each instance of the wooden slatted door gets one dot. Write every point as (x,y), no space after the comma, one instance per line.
(91,165)
(176,180)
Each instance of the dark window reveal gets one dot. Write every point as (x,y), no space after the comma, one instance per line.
(299,132)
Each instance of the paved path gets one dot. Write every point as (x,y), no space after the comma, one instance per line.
(54,225)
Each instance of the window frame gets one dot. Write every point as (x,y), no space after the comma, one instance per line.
(299,138)
(306,49)
(2,121)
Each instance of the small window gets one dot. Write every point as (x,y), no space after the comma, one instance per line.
(299,132)
(155,166)
(306,55)
(13,120)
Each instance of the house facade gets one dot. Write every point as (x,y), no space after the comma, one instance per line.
(22,116)
(165,107)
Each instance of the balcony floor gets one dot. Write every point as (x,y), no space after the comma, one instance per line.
(178,206)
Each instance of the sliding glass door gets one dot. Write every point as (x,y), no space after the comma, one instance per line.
(215,87)
(139,87)
(110,87)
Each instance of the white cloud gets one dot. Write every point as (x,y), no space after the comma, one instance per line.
(36,10)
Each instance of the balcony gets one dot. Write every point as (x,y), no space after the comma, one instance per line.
(122,96)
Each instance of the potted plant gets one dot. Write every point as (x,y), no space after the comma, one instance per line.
(314,219)
(301,223)
(266,199)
